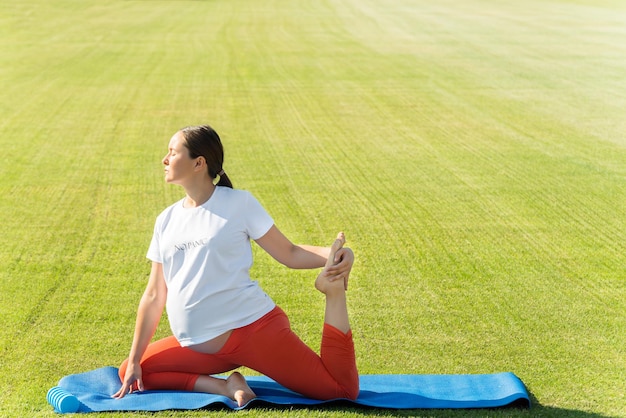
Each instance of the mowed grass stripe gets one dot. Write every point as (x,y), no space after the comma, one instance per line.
(538,247)
(555,193)
(472,153)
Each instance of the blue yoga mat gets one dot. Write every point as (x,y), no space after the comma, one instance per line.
(91,392)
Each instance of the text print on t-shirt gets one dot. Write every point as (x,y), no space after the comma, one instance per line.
(191,244)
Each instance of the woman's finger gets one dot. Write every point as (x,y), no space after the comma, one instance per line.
(121,393)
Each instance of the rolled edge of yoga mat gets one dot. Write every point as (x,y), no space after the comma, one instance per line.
(63,401)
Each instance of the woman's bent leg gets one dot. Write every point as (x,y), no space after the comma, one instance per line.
(166,365)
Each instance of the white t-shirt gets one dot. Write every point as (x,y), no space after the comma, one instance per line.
(206,255)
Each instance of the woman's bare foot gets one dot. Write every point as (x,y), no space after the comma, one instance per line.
(323,283)
(236,385)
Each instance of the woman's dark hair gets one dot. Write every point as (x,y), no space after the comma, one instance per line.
(203,141)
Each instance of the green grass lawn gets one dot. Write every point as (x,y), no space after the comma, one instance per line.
(473,151)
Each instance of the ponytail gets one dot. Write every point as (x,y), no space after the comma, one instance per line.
(223,180)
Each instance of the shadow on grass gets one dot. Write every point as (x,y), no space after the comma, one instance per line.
(536,410)
(518,409)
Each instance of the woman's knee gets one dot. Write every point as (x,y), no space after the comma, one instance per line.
(352,392)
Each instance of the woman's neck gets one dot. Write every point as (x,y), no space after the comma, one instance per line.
(197,196)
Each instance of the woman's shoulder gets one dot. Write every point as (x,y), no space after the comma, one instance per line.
(234,194)
(168,210)
(237,198)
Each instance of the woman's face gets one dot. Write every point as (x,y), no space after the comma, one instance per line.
(178,165)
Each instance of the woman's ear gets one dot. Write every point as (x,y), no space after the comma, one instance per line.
(200,163)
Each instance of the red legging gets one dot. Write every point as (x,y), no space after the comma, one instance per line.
(268,346)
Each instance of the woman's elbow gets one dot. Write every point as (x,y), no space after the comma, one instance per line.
(288,257)
(154,297)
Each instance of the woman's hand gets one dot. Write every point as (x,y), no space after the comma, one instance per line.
(132,381)
(307,256)
(340,270)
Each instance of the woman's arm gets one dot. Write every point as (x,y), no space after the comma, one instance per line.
(148,317)
(305,256)
(293,256)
